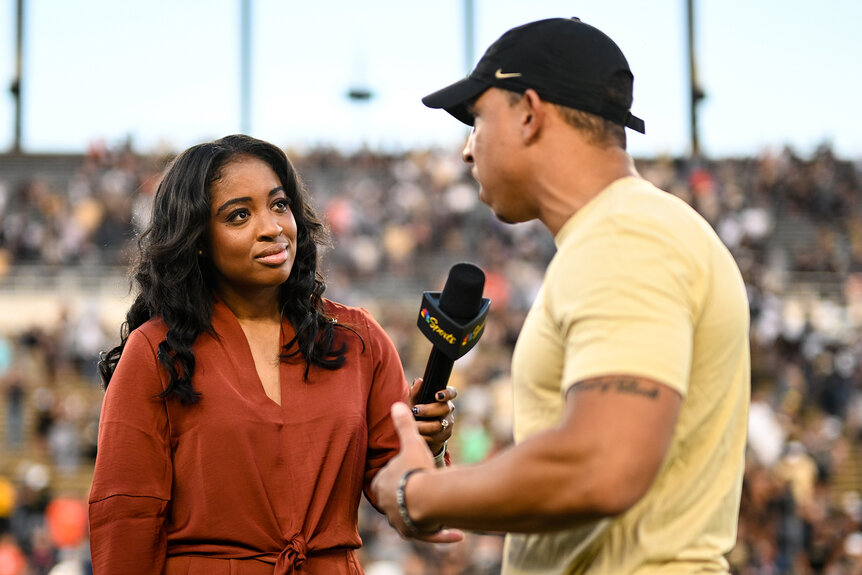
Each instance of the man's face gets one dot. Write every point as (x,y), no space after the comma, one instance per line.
(494,149)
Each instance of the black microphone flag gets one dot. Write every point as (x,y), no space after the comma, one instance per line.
(453,321)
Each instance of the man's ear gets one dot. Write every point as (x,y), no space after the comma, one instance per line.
(534,116)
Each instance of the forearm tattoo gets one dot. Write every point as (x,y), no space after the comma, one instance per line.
(618,384)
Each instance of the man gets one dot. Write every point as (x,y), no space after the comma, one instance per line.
(631,373)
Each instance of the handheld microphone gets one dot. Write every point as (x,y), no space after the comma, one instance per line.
(453,320)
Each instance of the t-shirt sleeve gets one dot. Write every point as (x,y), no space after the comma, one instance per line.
(389,386)
(131,488)
(623,304)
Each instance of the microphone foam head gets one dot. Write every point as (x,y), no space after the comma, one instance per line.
(461,298)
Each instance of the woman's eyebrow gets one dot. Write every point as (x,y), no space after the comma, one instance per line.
(233,201)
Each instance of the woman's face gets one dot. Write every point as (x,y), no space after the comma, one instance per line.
(252,231)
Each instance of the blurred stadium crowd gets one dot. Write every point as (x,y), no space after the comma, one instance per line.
(398,223)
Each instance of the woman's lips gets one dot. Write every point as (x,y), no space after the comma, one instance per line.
(273,256)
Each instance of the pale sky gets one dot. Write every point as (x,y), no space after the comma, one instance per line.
(776,72)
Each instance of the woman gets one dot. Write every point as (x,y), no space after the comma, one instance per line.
(244,413)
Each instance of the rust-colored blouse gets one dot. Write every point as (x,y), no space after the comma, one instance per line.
(237,483)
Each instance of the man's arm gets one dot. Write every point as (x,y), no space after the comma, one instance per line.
(598,462)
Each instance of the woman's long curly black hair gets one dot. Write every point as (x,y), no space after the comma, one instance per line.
(175,283)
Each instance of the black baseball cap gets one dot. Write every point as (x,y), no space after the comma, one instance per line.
(564,60)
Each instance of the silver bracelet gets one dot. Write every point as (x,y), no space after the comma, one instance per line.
(401,500)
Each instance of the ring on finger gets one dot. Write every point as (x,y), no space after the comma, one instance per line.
(444,423)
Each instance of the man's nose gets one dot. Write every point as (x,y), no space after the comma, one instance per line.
(467,152)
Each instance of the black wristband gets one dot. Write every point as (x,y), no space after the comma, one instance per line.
(401,500)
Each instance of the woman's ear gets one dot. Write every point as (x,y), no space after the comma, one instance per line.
(534,116)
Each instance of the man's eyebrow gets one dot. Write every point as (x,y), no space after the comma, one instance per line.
(244,199)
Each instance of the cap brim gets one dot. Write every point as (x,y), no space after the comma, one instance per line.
(454,98)
(635,123)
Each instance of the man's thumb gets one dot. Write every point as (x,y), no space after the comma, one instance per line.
(405,425)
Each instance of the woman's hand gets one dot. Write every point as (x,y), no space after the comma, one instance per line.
(434,420)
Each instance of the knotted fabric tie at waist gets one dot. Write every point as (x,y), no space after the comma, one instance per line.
(292,557)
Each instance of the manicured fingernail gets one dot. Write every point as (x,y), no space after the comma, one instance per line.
(440,396)
(415,410)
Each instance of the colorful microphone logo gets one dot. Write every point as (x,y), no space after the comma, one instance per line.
(477,331)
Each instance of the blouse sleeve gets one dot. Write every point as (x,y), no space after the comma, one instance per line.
(132,481)
(388,386)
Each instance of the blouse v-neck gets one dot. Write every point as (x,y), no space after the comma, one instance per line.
(225,319)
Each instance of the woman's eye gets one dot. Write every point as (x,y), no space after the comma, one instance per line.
(238,215)
(281,205)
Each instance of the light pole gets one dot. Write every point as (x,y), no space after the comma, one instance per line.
(469,31)
(17,81)
(245,67)
(695,92)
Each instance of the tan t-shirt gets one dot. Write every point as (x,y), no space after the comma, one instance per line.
(641,285)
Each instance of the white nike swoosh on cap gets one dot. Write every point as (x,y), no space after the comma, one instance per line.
(503,75)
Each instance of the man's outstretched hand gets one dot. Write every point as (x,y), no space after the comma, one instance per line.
(414,454)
